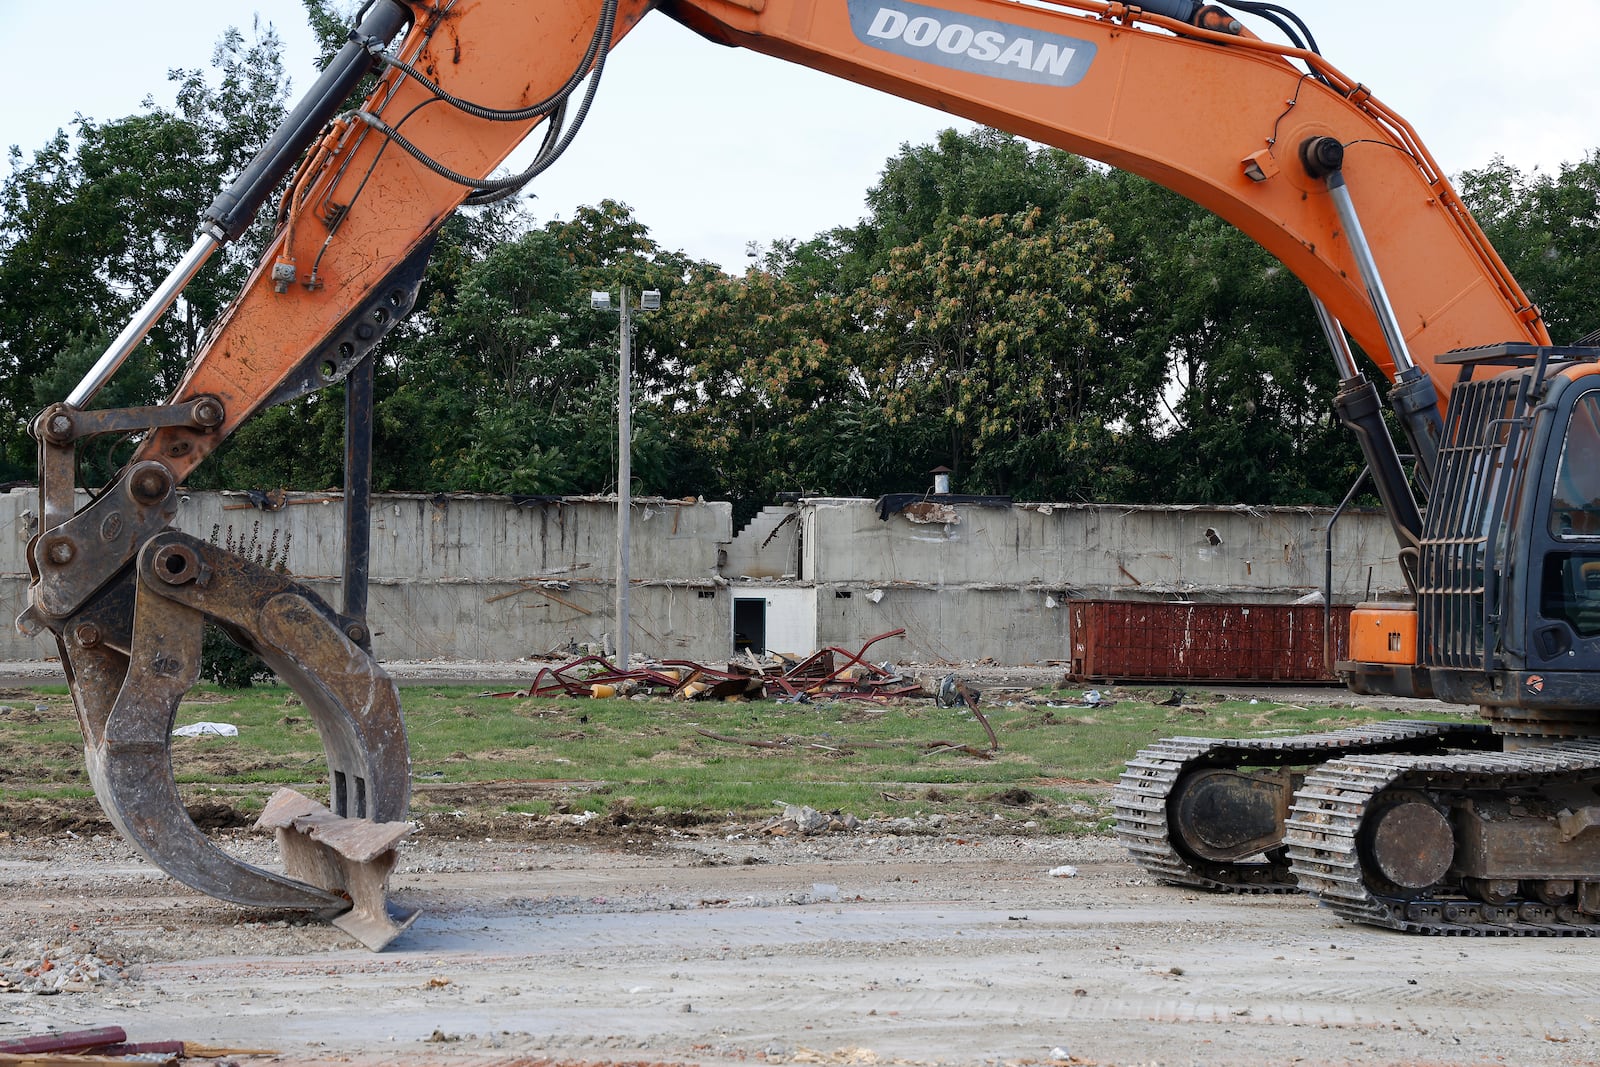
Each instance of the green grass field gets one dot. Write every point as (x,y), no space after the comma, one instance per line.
(488,756)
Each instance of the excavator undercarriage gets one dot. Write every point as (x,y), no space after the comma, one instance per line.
(1423,827)
(1438,828)
(1211,813)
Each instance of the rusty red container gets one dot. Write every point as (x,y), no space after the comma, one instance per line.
(1131,641)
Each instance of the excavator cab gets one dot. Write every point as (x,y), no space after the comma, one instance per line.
(1506,614)
(1507,607)
(1509,591)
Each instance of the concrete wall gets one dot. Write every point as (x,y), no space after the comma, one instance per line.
(969,582)
(953,625)
(767,547)
(465,577)
(1100,550)
(16,528)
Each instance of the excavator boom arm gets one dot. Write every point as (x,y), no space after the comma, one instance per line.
(1176,91)
(1218,117)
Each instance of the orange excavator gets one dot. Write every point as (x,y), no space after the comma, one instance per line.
(1488,827)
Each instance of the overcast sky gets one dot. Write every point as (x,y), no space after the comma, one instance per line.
(714,148)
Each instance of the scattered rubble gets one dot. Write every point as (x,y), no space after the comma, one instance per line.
(833,672)
(805,821)
(44,969)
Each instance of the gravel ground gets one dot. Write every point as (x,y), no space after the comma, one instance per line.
(727,946)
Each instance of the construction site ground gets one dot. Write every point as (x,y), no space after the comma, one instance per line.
(935,943)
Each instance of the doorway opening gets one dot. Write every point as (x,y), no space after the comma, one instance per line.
(750,624)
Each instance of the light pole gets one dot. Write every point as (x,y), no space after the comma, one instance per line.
(649,300)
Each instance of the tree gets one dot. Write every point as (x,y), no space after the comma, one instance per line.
(508,381)
(1211,351)
(1547,229)
(1049,327)
(1226,382)
(979,173)
(774,397)
(92,223)
(989,330)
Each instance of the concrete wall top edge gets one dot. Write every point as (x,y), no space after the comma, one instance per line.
(812,501)
(1049,506)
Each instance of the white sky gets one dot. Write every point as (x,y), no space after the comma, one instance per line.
(714,148)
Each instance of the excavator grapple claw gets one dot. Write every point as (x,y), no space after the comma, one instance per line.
(144,635)
(354,704)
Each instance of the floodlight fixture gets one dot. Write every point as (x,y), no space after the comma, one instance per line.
(650,300)
(599,300)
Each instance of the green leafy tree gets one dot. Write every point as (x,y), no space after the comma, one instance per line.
(1226,382)
(774,397)
(1208,350)
(924,188)
(508,381)
(95,219)
(989,330)
(1547,228)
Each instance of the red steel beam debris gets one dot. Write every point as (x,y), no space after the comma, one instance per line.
(70,1041)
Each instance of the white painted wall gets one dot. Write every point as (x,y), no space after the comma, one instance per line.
(791,615)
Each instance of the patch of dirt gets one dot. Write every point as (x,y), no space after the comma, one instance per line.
(222,761)
(214,815)
(58,762)
(1015,797)
(40,816)
(561,826)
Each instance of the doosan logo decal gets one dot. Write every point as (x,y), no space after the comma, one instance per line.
(965,42)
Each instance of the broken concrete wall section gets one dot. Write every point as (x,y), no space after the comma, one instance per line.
(977,581)
(477,577)
(466,577)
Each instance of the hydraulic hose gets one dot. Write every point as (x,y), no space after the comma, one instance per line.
(599,41)
(231,213)
(490,190)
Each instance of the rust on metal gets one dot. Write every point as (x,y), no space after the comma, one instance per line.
(68,1041)
(1412,844)
(1126,640)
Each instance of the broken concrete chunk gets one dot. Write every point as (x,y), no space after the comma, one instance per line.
(352,857)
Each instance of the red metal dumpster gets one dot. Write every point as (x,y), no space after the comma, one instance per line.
(1127,641)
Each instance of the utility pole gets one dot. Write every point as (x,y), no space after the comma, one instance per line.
(600,300)
(624,477)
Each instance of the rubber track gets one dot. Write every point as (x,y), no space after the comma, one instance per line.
(1330,805)
(1139,800)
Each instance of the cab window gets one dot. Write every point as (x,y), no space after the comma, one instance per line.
(1575,499)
